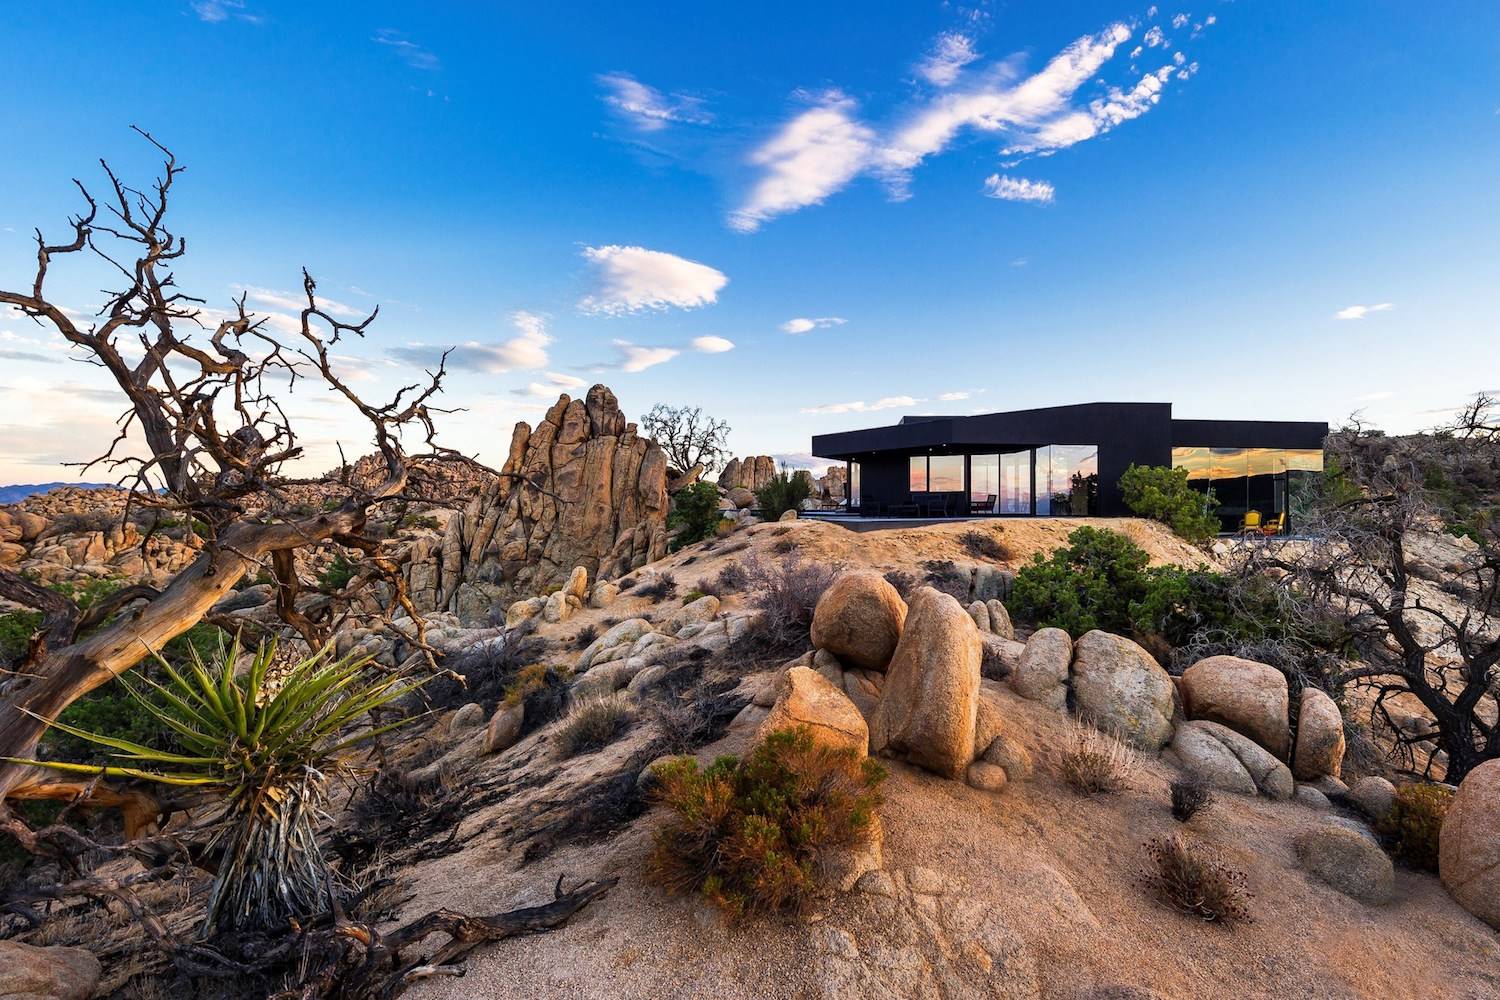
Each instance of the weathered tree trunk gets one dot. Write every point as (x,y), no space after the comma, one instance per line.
(62,676)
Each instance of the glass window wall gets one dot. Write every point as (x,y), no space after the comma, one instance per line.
(945,474)
(1263,480)
(918,476)
(1015,483)
(1067,480)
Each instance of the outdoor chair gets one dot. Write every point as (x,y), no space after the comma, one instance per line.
(1275,526)
(984,506)
(1250,523)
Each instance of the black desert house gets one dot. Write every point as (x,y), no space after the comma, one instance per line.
(1068,460)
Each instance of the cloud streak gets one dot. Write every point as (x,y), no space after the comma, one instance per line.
(647,108)
(802,324)
(527,350)
(1018,189)
(951,52)
(1360,312)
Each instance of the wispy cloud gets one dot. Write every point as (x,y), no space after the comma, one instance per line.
(951,52)
(1018,189)
(414,55)
(527,350)
(218,11)
(811,157)
(632,279)
(712,345)
(821,150)
(638,357)
(290,302)
(1360,312)
(804,325)
(555,383)
(860,406)
(647,108)
(16,354)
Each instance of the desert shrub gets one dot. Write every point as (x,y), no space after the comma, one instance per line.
(336,575)
(489,667)
(1192,879)
(947,577)
(16,630)
(782,546)
(585,636)
(983,545)
(82,522)
(732,578)
(695,514)
(262,759)
(419,521)
(1414,823)
(903,580)
(748,834)
(692,595)
(1190,796)
(593,724)
(1093,761)
(782,492)
(658,587)
(786,591)
(1163,494)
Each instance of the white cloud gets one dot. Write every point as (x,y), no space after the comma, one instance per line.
(951,397)
(296,303)
(1154,37)
(217,11)
(647,108)
(633,278)
(814,155)
(1018,189)
(1360,312)
(562,381)
(1178,20)
(712,345)
(526,350)
(637,357)
(860,406)
(1151,11)
(414,55)
(951,52)
(804,325)
(556,383)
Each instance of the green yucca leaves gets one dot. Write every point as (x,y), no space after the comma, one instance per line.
(265,748)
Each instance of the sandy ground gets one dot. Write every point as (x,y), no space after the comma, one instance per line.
(1058,873)
(1059,870)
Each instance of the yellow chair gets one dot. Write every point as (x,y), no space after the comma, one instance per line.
(1275,526)
(1250,523)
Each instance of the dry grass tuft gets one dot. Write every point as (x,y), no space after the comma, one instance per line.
(1192,879)
(592,724)
(1190,796)
(1093,761)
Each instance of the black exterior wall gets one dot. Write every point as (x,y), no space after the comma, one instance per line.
(1125,433)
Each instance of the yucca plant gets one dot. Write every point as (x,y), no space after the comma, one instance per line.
(264,754)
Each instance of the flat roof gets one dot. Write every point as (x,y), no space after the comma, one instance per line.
(1078,423)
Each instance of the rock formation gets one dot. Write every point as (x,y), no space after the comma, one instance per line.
(751,472)
(599,502)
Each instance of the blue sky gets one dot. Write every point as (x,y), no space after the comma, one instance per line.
(968,208)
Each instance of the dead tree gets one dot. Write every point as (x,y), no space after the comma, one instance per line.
(1437,642)
(690,438)
(205,438)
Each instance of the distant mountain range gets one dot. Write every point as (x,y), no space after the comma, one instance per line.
(15,494)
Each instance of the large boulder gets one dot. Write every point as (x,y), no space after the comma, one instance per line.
(1042,673)
(1246,696)
(1206,758)
(1320,737)
(806,698)
(1001,656)
(859,620)
(1352,864)
(930,701)
(1272,778)
(1000,623)
(31,973)
(1469,845)
(1373,795)
(1119,688)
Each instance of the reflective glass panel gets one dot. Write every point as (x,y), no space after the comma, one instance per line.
(1072,482)
(984,482)
(1015,483)
(918,478)
(946,474)
(854,484)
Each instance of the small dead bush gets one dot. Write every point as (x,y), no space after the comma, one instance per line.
(1093,761)
(657,587)
(945,576)
(1190,796)
(585,636)
(786,591)
(593,724)
(1192,879)
(983,545)
(903,581)
(1414,823)
(748,834)
(783,545)
(732,578)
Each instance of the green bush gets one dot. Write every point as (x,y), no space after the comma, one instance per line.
(1101,579)
(695,510)
(16,629)
(1414,823)
(337,576)
(782,492)
(748,834)
(593,724)
(1164,495)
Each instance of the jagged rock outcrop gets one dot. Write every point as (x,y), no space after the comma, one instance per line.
(599,501)
(752,472)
